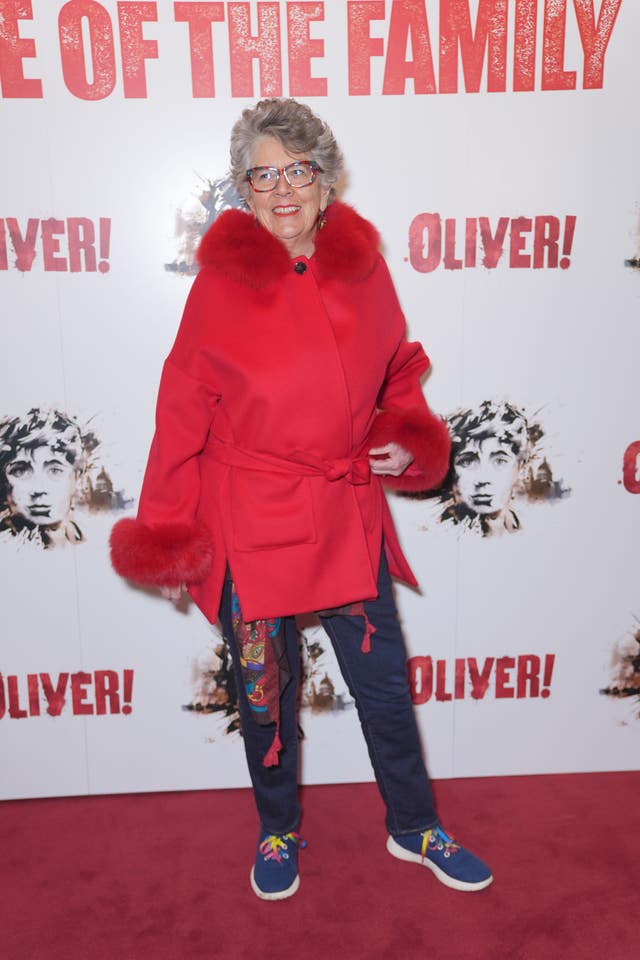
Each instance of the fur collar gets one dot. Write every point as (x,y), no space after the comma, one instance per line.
(237,246)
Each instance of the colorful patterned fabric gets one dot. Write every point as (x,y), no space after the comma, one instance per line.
(265,669)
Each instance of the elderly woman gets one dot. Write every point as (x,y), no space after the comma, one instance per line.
(43,456)
(289,394)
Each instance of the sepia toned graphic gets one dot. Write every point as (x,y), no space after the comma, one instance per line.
(50,470)
(322,689)
(624,677)
(213,684)
(497,459)
(195,216)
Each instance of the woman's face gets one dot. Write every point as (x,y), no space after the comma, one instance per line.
(289,213)
(485,472)
(40,484)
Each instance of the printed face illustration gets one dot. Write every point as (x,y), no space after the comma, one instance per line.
(40,484)
(485,474)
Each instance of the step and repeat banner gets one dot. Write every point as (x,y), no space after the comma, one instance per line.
(495,145)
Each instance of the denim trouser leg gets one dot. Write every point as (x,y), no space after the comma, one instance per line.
(378,683)
(275,789)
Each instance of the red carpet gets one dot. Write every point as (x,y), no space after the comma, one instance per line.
(165,876)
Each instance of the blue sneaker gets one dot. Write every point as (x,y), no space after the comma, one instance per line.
(452,864)
(274,875)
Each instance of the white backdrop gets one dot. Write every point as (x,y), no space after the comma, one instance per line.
(495,146)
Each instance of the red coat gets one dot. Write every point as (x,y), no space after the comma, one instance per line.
(283,374)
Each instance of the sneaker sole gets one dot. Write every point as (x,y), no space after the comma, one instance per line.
(397,851)
(278,894)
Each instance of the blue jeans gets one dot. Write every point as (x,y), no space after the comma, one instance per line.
(378,683)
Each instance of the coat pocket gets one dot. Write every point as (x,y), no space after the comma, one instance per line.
(270,510)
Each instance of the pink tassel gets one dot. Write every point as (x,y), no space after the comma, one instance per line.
(369,630)
(271,758)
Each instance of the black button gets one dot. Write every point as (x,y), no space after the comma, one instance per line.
(300,267)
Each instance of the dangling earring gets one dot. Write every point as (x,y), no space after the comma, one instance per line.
(321,219)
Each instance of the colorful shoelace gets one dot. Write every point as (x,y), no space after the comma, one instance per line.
(271,846)
(439,840)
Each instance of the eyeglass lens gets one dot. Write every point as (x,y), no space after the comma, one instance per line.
(298,174)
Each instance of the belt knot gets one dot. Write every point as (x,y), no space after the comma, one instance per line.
(355,471)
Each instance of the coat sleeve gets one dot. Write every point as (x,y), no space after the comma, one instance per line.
(166,545)
(405,418)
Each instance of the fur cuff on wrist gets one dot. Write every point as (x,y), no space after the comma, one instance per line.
(425,436)
(163,556)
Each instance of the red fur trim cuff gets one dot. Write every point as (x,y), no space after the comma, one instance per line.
(425,436)
(163,556)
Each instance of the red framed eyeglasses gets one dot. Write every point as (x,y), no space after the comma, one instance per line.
(300,173)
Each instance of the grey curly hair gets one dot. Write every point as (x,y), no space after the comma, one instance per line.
(296,127)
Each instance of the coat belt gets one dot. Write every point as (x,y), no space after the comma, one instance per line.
(355,470)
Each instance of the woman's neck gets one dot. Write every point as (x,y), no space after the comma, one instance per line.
(300,248)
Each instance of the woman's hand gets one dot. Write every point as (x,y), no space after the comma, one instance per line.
(172,593)
(392,459)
